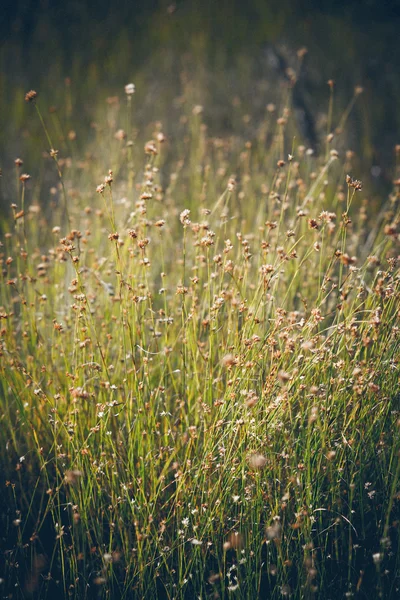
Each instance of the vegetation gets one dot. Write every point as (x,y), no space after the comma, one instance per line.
(199,363)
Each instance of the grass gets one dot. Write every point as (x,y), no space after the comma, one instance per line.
(199,366)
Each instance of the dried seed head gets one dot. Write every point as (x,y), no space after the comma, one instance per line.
(229,360)
(354,183)
(184,217)
(231,184)
(235,541)
(72,477)
(274,531)
(120,135)
(150,147)
(108,179)
(30,96)
(130,89)
(257,461)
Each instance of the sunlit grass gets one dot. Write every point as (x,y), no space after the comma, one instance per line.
(199,366)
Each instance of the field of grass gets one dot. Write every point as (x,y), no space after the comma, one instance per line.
(199,361)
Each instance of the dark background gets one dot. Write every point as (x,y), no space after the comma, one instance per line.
(103,44)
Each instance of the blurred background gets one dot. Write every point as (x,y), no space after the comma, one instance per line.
(231,57)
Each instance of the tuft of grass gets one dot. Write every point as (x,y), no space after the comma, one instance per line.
(199,367)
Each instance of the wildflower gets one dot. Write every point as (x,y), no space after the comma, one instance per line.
(231,184)
(184,217)
(257,461)
(100,188)
(150,147)
(130,89)
(72,477)
(24,177)
(30,96)
(284,376)
(235,541)
(354,183)
(108,179)
(273,532)
(120,135)
(377,557)
(143,243)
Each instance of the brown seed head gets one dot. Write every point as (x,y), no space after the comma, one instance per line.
(30,96)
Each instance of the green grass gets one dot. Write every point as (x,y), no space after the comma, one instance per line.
(197,404)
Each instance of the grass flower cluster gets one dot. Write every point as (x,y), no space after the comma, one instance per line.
(199,367)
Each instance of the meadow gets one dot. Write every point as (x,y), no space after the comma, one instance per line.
(199,358)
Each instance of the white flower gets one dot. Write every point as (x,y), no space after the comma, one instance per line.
(130,89)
